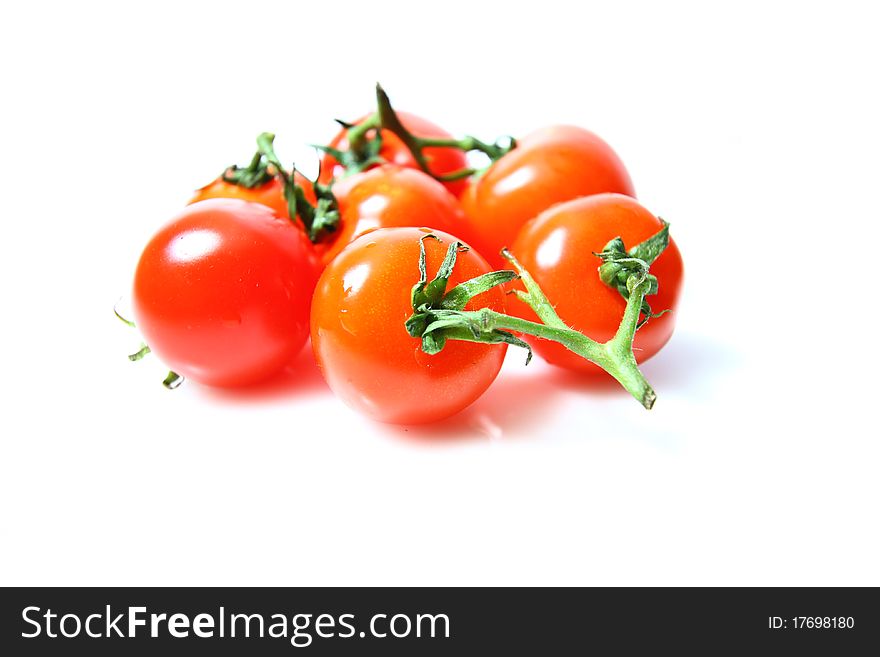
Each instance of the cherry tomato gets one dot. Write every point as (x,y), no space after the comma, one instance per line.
(442,160)
(361,344)
(389,196)
(271,194)
(557,249)
(222,292)
(549,166)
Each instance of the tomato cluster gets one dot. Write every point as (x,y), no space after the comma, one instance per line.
(395,262)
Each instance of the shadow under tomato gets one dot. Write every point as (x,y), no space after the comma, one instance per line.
(514,407)
(692,363)
(301,377)
(522,399)
(597,383)
(689,363)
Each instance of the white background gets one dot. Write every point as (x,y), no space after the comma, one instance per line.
(752,128)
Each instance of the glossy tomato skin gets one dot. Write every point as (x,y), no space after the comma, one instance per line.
(361,345)
(442,160)
(557,249)
(386,197)
(270,194)
(221,293)
(551,165)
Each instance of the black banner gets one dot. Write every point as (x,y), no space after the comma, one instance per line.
(444,621)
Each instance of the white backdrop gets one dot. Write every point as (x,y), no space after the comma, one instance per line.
(753,129)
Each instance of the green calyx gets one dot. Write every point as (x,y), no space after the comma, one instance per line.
(255,174)
(363,150)
(620,267)
(439,316)
(318,219)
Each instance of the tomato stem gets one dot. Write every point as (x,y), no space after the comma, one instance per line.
(439,316)
(615,356)
(317,219)
(357,134)
(390,121)
(468,143)
(364,148)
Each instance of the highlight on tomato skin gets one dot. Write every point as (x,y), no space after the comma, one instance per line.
(443,160)
(385,197)
(558,247)
(221,293)
(361,303)
(549,166)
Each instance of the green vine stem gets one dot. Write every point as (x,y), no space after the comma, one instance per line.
(364,148)
(390,121)
(439,316)
(323,217)
(494,151)
(173,379)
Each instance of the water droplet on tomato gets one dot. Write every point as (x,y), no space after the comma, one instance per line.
(346,325)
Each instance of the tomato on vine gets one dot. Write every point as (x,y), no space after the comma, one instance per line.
(559,249)
(224,292)
(525,177)
(361,344)
(405,349)
(550,165)
(358,148)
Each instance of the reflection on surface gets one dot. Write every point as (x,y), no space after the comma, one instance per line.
(373,205)
(541,401)
(514,181)
(193,245)
(355,278)
(550,251)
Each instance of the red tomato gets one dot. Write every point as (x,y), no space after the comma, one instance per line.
(221,292)
(442,160)
(361,344)
(549,166)
(386,197)
(270,194)
(557,249)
